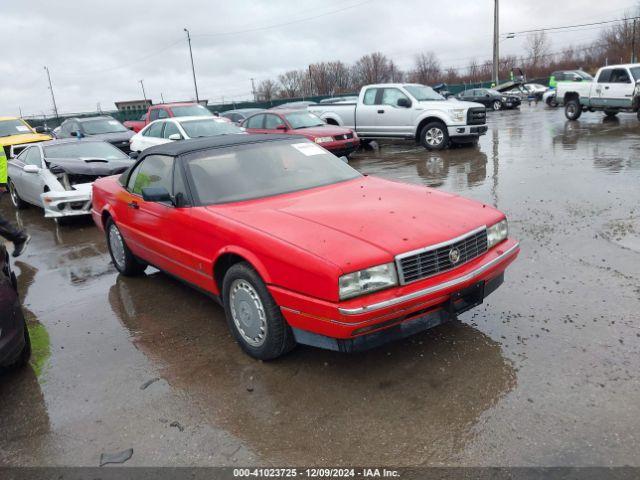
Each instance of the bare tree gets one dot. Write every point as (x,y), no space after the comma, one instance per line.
(536,49)
(291,84)
(426,69)
(372,68)
(267,90)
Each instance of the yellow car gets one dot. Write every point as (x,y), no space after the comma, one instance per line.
(15,131)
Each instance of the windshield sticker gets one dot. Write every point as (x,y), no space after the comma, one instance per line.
(22,128)
(113,122)
(308,149)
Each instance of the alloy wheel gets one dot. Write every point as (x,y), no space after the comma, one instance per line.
(116,243)
(248,313)
(434,136)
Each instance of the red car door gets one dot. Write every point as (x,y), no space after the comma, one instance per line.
(255,124)
(272,122)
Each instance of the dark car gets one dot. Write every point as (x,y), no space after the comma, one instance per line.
(241,114)
(301,105)
(490,98)
(99,128)
(15,345)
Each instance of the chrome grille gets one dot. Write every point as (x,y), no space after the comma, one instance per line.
(345,136)
(477,116)
(429,261)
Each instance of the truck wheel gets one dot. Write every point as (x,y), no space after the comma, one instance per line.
(254,318)
(572,110)
(610,113)
(124,261)
(497,105)
(17,202)
(434,136)
(551,101)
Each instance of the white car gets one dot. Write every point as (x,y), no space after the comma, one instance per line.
(181,128)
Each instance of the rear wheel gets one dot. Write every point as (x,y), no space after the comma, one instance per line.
(124,261)
(497,105)
(572,110)
(15,197)
(434,136)
(253,316)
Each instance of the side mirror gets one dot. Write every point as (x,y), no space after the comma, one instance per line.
(404,102)
(77,134)
(156,194)
(282,126)
(175,136)
(31,169)
(39,129)
(134,155)
(486,95)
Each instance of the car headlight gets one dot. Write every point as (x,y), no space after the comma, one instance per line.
(367,281)
(324,139)
(457,114)
(497,233)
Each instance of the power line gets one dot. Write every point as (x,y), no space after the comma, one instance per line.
(549,29)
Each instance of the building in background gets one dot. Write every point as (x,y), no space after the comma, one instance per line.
(129,105)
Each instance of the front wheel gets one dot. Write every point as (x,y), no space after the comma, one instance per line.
(572,110)
(497,105)
(17,202)
(253,316)
(434,136)
(124,261)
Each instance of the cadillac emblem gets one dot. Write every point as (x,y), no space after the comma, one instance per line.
(454,255)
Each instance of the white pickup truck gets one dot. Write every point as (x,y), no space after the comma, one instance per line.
(616,88)
(409,111)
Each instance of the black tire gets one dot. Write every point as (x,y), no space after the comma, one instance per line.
(276,336)
(496,105)
(16,201)
(572,110)
(434,136)
(25,355)
(551,102)
(611,113)
(638,115)
(126,263)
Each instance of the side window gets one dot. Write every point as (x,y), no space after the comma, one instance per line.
(390,96)
(255,121)
(179,185)
(620,75)
(33,157)
(272,122)
(153,171)
(370,96)
(153,114)
(170,128)
(154,130)
(162,113)
(65,129)
(604,76)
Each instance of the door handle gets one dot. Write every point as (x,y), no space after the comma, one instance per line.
(380,111)
(133,205)
(606,88)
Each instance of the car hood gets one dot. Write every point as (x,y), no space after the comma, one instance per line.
(116,137)
(24,138)
(362,222)
(453,103)
(88,166)
(322,131)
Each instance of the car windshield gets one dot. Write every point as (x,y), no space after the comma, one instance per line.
(209,128)
(84,150)
(190,111)
(263,169)
(423,93)
(103,125)
(13,127)
(493,92)
(584,75)
(303,120)
(635,71)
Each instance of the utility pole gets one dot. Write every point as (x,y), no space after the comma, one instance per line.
(253,90)
(161,97)
(193,70)
(143,92)
(633,42)
(496,33)
(53,97)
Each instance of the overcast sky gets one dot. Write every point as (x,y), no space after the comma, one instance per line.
(97,51)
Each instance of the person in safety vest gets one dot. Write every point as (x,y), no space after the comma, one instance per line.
(19,238)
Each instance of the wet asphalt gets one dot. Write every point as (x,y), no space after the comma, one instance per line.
(545,372)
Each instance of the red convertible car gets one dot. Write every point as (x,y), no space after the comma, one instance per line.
(298,246)
(338,140)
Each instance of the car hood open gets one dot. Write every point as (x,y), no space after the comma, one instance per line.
(89,166)
(359,223)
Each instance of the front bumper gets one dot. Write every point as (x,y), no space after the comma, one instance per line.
(467,130)
(67,203)
(389,308)
(342,147)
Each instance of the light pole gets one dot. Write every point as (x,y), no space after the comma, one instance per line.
(143,92)
(496,33)
(633,42)
(193,70)
(53,97)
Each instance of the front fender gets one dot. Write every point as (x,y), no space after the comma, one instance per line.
(249,257)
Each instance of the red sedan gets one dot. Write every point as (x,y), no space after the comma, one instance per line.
(297,245)
(338,140)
